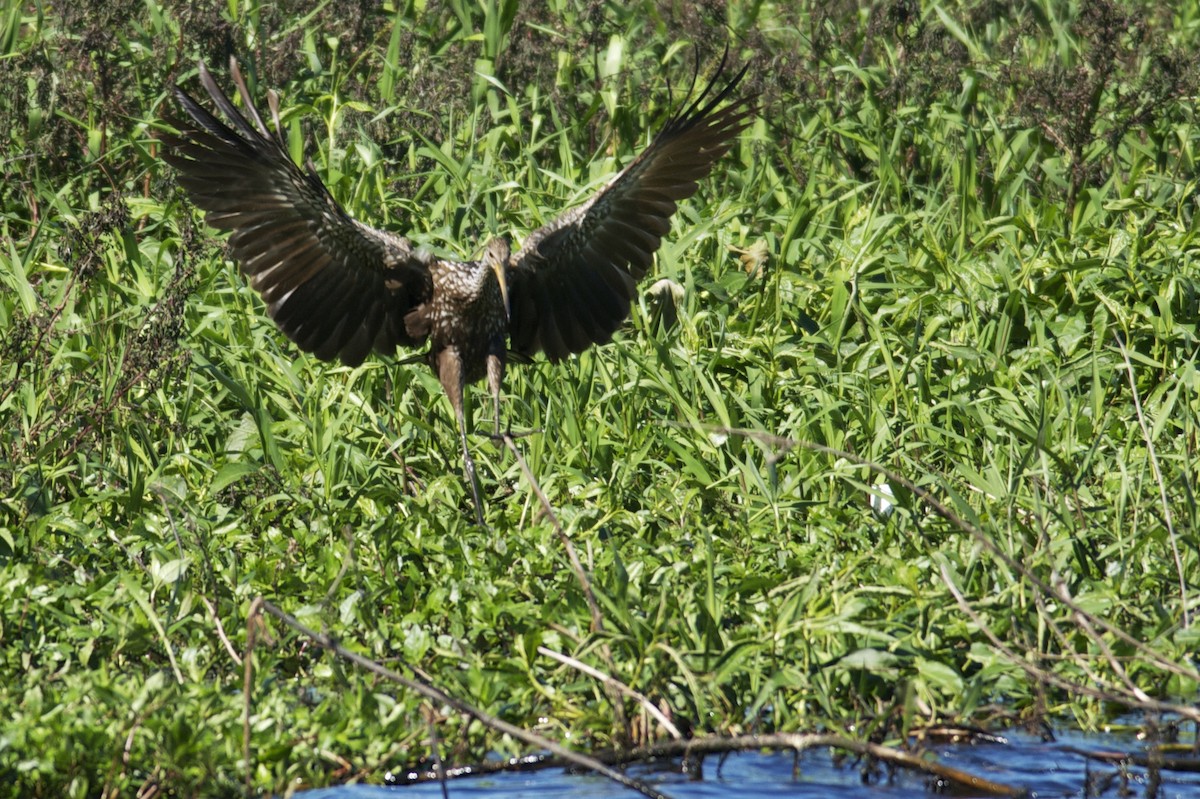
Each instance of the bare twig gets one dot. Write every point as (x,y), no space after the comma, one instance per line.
(608,680)
(1107,694)
(978,535)
(581,575)
(1039,601)
(435,748)
(1156,758)
(152,617)
(796,742)
(253,623)
(1158,478)
(441,697)
(1113,662)
(212,611)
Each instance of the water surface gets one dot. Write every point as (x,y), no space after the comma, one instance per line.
(1043,769)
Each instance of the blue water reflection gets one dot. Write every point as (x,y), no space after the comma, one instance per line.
(1044,769)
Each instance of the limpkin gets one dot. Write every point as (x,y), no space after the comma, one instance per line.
(339,288)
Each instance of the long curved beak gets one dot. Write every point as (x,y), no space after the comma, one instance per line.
(501,271)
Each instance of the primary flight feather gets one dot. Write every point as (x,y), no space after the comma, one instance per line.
(339,288)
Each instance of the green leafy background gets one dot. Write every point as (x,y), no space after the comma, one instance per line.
(959,241)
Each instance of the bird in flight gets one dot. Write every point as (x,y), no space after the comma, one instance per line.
(340,289)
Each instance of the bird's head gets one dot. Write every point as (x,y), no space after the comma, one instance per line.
(495,257)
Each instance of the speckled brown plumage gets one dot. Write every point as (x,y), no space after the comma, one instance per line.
(340,289)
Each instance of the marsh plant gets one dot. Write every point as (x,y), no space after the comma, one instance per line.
(958,243)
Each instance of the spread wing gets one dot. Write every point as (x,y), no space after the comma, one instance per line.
(572,282)
(336,287)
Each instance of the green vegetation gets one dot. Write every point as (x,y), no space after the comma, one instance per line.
(960,242)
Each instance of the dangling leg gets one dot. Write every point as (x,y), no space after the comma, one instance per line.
(451,377)
(495,375)
(469,466)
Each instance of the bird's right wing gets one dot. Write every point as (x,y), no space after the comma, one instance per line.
(573,280)
(336,287)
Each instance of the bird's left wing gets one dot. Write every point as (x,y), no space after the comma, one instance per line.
(336,287)
(572,282)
